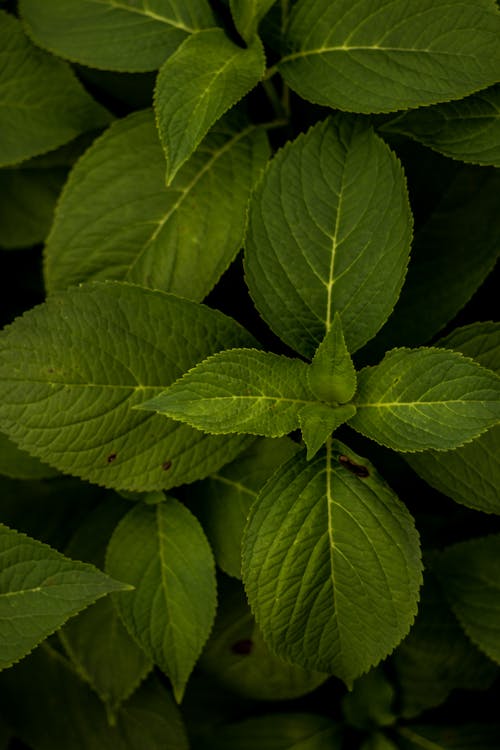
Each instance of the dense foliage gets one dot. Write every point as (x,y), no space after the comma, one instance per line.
(249,390)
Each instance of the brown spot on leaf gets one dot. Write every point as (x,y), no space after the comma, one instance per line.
(166,465)
(111,458)
(357,469)
(243,648)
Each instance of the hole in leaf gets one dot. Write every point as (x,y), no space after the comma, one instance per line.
(111,458)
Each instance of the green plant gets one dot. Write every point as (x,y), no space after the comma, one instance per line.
(150,436)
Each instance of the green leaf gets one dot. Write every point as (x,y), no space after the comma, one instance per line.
(247,14)
(162,551)
(469,573)
(280,732)
(384,55)
(43,104)
(370,703)
(236,656)
(49,707)
(332,377)
(468,130)
(331,564)
(27,206)
(318,421)
(456,737)
(378,741)
(335,240)
(467,216)
(126,35)
(18,464)
(39,590)
(436,657)
(470,474)
(72,405)
(197,222)
(417,399)
(206,76)
(223,500)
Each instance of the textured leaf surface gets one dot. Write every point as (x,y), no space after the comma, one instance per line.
(383,55)
(468,130)
(163,552)
(425,398)
(43,104)
(318,421)
(18,464)
(466,217)
(127,35)
(329,231)
(470,575)
(247,15)
(332,376)
(456,737)
(39,590)
(72,405)
(196,85)
(331,564)
(236,656)
(436,657)
(33,693)
(223,500)
(281,732)
(144,232)
(470,474)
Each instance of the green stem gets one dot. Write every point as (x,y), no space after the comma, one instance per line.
(274,98)
(270,72)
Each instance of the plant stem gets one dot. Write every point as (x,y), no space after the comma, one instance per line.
(274,98)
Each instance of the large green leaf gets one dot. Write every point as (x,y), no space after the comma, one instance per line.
(18,464)
(470,474)
(331,563)
(417,399)
(39,590)
(468,130)
(43,104)
(470,576)
(456,737)
(436,656)
(467,216)
(247,15)
(223,500)
(196,85)
(127,35)
(384,55)
(163,552)
(73,368)
(144,232)
(50,708)
(330,230)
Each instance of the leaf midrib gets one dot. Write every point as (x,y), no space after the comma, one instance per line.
(148,13)
(372,48)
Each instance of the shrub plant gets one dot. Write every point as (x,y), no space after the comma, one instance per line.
(220,469)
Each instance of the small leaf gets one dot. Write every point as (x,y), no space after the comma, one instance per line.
(72,405)
(163,552)
(43,103)
(131,35)
(197,222)
(470,474)
(336,240)
(331,564)
(318,421)
(469,573)
(332,377)
(247,14)
(39,590)
(384,55)
(417,399)
(206,76)
(223,500)
(468,130)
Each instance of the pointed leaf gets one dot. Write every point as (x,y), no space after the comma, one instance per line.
(470,474)
(470,576)
(294,731)
(206,76)
(332,376)
(318,421)
(223,500)
(43,103)
(128,35)
(383,55)
(468,130)
(417,399)
(72,405)
(163,552)
(247,14)
(239,390)
(336,240)
(331,564)
(198,222)
(39,590)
